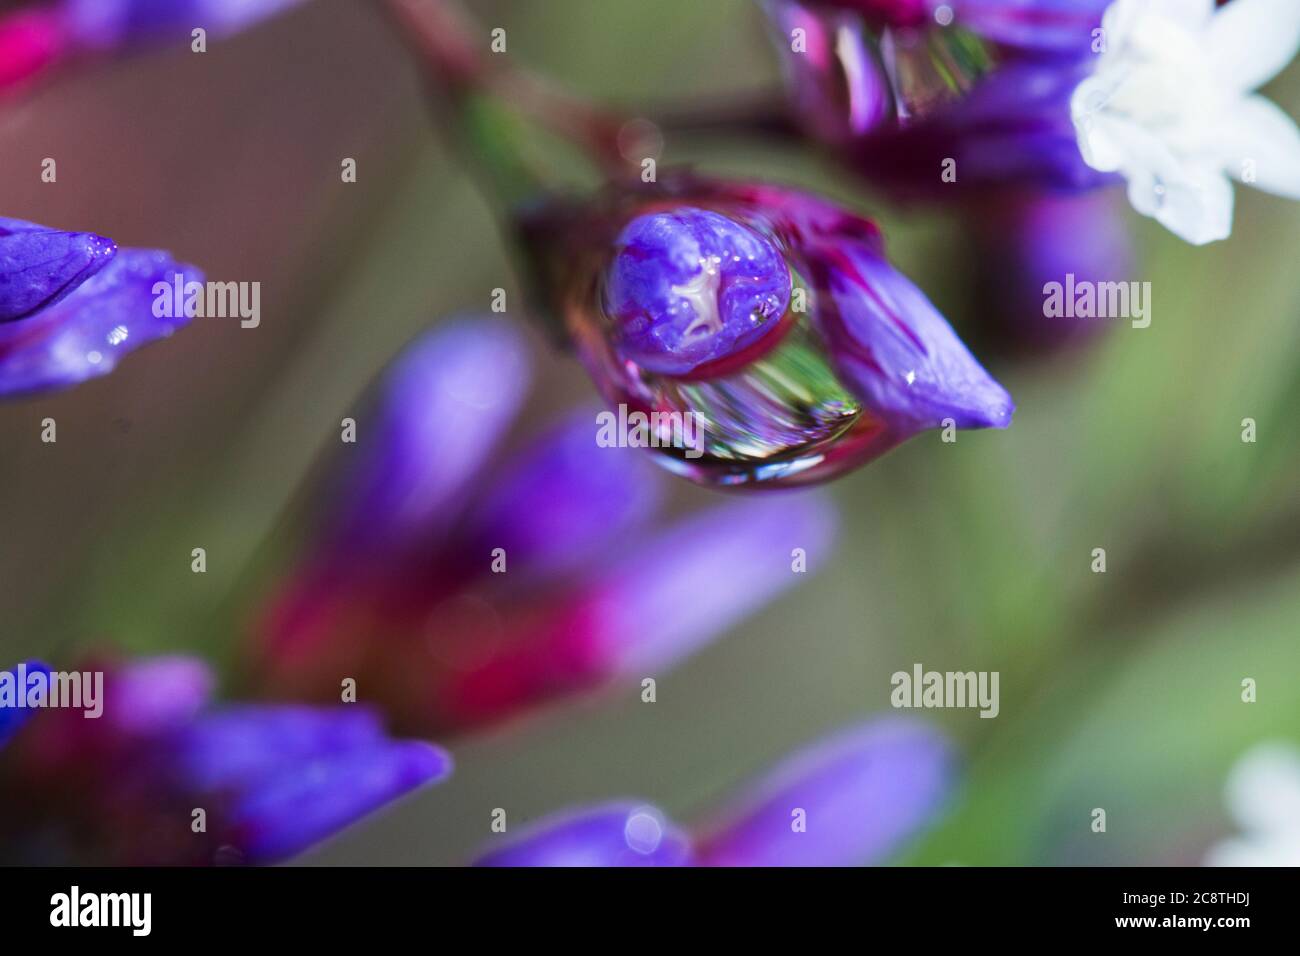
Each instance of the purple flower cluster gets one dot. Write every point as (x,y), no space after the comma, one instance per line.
(978,88)
(162,777)
(463,590)
(464,580)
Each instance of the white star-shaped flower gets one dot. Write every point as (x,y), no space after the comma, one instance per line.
(1263,796)
(1171,107)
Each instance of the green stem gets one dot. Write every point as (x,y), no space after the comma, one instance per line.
(507,120)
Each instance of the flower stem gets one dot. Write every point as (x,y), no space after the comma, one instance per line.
(504,115)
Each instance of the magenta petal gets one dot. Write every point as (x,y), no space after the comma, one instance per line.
(848,800)
(85,335)
(617,834)
(442,406)
(30,40)
(690,584)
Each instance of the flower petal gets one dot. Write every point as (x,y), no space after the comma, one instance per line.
(1196,207)
(442,406)
(1040,25)
(617,834)
(243,745)
(83,336)
(564,498)
(900,355)
(848,800)
(1260,146)
(698,579)
(40,266)
(30,41)
(1263,789)
(309,801)
(104,24)
(157,693)
(11,718)
(1253,40)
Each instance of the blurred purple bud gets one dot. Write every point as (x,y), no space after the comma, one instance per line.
(851,799)
(297,775)
(617,834)
(272,780)
(1027,242)
(695,581)
(110,24)
(157,693)
(441,408)
(11,716)
(564,499)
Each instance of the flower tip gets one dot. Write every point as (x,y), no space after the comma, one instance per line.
(623,833)
(996,410)
(426,762)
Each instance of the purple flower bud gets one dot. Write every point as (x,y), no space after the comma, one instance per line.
(11,716)
(271,780)
(1038,26)
(916,371)
(1031,25)
(701,577)
(617,834)
(39,266)
(562,502)
(837,84)
(73,304)
(851,799)
(690,286)
(854,798)
(439,412)
(1012,130)
(509,583)
(1027,242)
(109,24)
(969,95)
(295,775)
(857,362)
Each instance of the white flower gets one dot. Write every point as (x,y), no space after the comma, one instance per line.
(1171,107)
(1263,797)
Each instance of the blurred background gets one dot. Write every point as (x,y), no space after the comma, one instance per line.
(1119,690)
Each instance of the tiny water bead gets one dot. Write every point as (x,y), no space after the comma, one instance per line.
(690,286)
